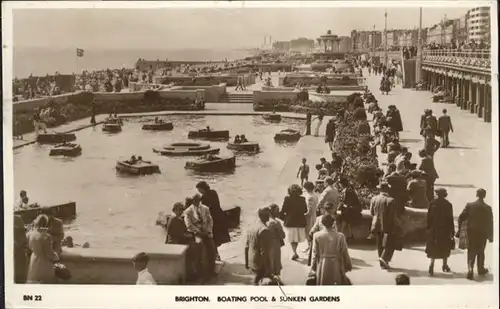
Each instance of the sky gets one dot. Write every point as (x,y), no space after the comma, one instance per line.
(179,28)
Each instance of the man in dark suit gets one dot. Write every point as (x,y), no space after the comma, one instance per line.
(383,209)
(444,125)
(427,166)
(258,248)
(479,218)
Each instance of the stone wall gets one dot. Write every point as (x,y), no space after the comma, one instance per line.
(76,106)
(313,88)
(311,80)
(212,80)
(167,265)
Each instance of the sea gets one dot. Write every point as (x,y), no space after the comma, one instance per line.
(43,61)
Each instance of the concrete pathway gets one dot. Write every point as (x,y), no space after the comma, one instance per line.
(462,169)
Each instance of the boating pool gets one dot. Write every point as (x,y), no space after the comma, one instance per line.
(120,211)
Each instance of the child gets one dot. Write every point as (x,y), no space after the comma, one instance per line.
(303,172)
(140,262)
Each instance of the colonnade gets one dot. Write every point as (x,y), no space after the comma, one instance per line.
(469,91)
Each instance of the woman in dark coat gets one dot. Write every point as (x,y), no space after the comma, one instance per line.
(293,213)
(440,229)
(210,198)
(350,209)
(396,122)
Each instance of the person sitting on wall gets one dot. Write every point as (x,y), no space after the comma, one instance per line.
(237,139)
(243,139)
(326,89)
(319,89)
(208,129)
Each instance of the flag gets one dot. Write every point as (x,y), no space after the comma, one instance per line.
(79,52)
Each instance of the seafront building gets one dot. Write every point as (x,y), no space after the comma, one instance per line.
(478,23)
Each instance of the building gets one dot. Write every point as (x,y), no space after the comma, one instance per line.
(366,40)
(302,45)
(281,46)
(460,26)
(345,44)
(328,42)
(443,33)
(478,24)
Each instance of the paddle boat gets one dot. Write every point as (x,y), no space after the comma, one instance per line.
(66,149)
(137,168)
(186,149)
(209,134)
(111,127)
(65,212)
(287,135)
(158,126)
(272,117)
(55,138)
(212,163)
(247,146)
(233,217)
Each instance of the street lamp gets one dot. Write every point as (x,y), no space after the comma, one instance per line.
(418,71)
(385,32)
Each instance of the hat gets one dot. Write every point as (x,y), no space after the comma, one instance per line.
(441,191)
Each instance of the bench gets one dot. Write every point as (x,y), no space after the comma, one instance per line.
(167,264)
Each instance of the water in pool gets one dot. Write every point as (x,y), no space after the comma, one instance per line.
(116,211)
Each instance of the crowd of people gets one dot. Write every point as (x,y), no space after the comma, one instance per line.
(461,45)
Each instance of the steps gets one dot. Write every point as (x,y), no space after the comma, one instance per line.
(234,97)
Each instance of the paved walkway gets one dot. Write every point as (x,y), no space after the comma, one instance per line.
(462,168)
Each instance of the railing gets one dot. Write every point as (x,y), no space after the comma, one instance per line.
(469,58)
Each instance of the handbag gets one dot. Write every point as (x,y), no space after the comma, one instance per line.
(462,235)
(62,272)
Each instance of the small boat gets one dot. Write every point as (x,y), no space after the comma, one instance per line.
(233,216)
(248,146)
(66,149)
(114,120)
(111,127)
(64,212)
(186,149)
(139,168)
(272,117)
(287,135)
(209,134)
(160,126)
(55,138)
(212,164)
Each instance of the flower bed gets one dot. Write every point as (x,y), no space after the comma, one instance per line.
(353,145)
(80,106)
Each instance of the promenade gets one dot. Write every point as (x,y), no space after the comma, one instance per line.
(463,168)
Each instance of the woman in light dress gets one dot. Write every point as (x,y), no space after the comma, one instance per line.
(43,256)
(312,203)
(293,213)
(278,239)
(330,255)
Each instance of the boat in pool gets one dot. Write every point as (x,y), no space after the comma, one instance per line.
(159,126)
(287,135)
(244,147)
(272,117)
(233,216)
(186,149)
(212,164)
(209,134)
(138,168)
(66,149)
(65,212)
(111,127)
(55,138)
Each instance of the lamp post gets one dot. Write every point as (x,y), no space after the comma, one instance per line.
(418,71)
(385,32)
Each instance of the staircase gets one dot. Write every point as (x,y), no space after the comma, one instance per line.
(235,97)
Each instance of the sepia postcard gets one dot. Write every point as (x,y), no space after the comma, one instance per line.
(186,154)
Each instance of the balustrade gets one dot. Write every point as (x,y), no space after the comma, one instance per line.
(468,58)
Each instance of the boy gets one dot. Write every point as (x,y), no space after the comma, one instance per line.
(303,172)
(140,262)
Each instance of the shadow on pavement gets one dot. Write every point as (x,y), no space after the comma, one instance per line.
(461,147)
(409,140)
(462,186)
(232,273)
(359,262)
